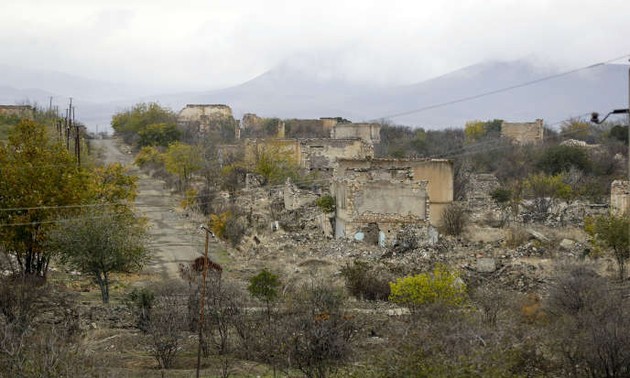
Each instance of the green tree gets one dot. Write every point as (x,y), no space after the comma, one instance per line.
(101,242)
(611,231)
(39,182)
(130,123)
(158,134)
(562,158)
(182,160)
(442,286)
(264,286)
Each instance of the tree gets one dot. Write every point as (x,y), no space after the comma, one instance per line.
(274,164)
(41,182)
(442,287)
(612,232)
(182,159)
(101,242)
(130,123)
(158,134)
(474,130)
(589,326)
(264,286)
(318,333)
(562,158)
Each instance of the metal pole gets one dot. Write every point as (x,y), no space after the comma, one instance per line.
(202,299)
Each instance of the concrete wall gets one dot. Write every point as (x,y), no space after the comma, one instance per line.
(620,197)
(369,132)
(523,132)
(438,173)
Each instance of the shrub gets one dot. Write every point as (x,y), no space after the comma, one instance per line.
(140,302)
(562,158)
(439,287)
(326,203)
(364,282)
(454,219)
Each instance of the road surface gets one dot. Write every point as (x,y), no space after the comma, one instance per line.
(175,238)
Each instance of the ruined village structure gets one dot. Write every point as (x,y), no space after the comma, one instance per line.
(374,196)
(523,132)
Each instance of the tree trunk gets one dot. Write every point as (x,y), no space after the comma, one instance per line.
(103,283)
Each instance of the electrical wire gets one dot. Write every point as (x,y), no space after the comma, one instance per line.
(500,90)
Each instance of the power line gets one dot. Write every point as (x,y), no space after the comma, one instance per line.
(500,90)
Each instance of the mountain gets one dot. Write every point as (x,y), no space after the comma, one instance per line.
(450,100)
(471,93)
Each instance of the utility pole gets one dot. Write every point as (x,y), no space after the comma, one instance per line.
(202,298)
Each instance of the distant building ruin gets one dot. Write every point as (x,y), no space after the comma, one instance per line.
(24,111)
(386,194)
(254,126)
(202,118)
(523,132)
(313,154)
(620,197)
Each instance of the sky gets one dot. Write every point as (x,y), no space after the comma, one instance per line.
(209,44)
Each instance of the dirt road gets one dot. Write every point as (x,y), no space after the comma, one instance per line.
(175,238)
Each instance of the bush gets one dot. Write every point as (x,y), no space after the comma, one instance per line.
(561,158)
(439,287)
(364,282)
(140,302)
(326,203)
(454,220)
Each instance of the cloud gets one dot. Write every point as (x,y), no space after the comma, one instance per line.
(209,44)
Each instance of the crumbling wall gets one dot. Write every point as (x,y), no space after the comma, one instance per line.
(369,132)
(523,132)
(364,204)
(287,148)
(620,197)
(200,118)
(322,154)
(26,111)
(438,173)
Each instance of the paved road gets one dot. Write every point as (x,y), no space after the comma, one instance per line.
(174,238)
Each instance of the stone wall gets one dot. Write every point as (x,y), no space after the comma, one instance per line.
(523,132)
(17,110)
(438,173)
(322,154)
(378,206)
(311,154)
(619,197)
(369,132)
(202,117)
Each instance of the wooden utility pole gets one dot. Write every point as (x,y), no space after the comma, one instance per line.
(202,298)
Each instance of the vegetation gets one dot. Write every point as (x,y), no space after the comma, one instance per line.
(438,287)
(99,243)
(146,125)
(612,232)
(326,203)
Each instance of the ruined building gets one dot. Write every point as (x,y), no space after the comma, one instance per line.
(202,118)
(25,111)
(523,132)
(346,141)
(619,197)
(386,194)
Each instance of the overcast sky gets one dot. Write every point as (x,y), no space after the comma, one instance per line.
(208,44)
